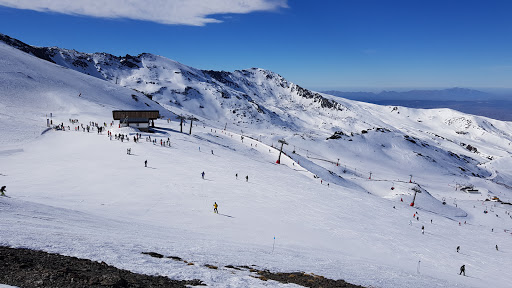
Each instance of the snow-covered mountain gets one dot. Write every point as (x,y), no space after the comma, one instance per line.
(243,97)
(256,99)
(367,154)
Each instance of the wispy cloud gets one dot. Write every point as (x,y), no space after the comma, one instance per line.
(181,12)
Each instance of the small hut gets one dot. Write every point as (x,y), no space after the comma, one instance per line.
(139,119)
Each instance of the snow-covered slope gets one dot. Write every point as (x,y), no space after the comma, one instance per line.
(334,205)
(31,89)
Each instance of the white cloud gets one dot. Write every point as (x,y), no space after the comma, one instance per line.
(183,12)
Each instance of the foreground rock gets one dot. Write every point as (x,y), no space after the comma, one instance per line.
(304,279)
(29,268)
(300,278)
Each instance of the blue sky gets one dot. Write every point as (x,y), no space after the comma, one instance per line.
(325,44)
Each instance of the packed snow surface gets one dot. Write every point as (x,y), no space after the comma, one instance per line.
(81,194)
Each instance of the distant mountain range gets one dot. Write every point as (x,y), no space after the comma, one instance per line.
(452,94)
(461,99)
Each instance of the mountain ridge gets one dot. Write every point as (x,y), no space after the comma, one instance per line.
(175,84)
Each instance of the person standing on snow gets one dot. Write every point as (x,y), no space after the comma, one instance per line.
(2,191)
(202,174)
(146,163)
(215,208)
(463,270)
(247,178)
(458,248)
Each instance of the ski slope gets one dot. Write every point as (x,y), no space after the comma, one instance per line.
(32,89)
(80,194)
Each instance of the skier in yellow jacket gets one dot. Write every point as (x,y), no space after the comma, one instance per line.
(215,208)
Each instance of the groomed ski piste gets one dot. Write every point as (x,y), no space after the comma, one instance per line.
(80,194)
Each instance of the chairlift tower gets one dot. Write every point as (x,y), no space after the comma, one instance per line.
(181,117)
(414,198)
(281,150)
(191,118)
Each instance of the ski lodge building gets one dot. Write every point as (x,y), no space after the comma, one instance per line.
(136,118)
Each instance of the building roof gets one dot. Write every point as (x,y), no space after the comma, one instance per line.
(144,115)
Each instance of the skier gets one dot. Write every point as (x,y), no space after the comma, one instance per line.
(212,152)
(202,174)
(496,244)
(215,208)
(247,178)
(2,190)
(422,229)
(146,163)
(463,270)
(458,248)
(236,176)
